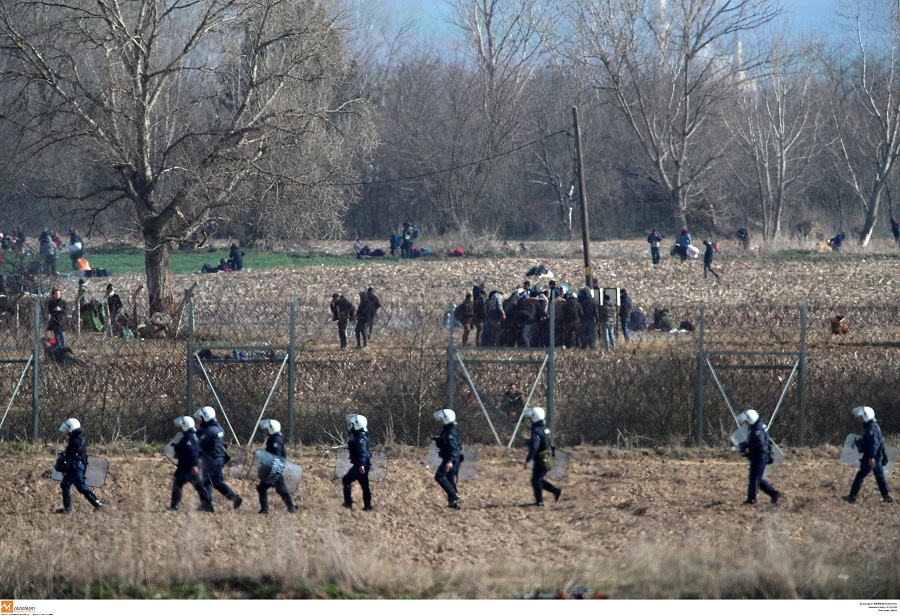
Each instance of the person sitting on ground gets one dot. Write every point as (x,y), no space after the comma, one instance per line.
(638,321)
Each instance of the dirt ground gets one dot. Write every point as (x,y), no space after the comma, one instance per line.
(625,516)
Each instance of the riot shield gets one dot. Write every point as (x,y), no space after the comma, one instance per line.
(560,464)
(892,460)
(850,454)
(169,448)
(467,467)
(94,472)
(378,471)
(740,435)
(777,459)
(267,468)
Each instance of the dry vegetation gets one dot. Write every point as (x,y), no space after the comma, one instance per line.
(634,522)
(631,523)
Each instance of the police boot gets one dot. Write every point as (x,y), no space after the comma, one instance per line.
(289,503)
(348,500)
(93,500)
(454,501)
(176,499)
(557,492)
(65,510)
(207,506)
(236,500)
(263,502)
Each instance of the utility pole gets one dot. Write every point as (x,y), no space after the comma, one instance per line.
(585,236)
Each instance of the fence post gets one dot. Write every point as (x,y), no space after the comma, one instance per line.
(801,377)
(292,366)
(451,368)
(551,366)
(36,370)
(701,378)
(190,359)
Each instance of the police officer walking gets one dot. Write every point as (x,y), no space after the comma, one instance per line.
(537,444)
(274,446)
(450,451)
(360,461)
(756,449)
(187,469)
(73,464)
(871,445)
(212,453)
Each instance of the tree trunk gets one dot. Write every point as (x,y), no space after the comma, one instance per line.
(156,264)
(872,210)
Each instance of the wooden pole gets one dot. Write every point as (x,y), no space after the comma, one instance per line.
(585,236)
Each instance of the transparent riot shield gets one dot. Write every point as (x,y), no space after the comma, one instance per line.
(267,468)
(169,448)
(94,473)
(850,454)
(560,464)
(740,435)
(378,471)
(467,467)
(892,460)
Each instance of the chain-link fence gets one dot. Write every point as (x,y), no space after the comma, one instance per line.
(131,373)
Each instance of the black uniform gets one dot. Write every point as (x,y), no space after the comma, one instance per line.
(213,456)
(756,448)
(187,469)
(450,451)
(76,459)
(361,463)
(871,445)
(275,446)
(540,441)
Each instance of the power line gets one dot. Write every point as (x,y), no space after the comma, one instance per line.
(407,178)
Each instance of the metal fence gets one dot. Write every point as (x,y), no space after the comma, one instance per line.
(280,357)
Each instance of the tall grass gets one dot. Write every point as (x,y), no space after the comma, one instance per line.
(192,560)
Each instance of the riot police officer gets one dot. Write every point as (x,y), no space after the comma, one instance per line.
(212,454)
(756,450)
(450,451)
(360,461)
(871,445)
(538,443)
(187,469)
(72,464)
(274,446)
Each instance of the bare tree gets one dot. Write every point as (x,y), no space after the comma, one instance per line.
(671,69)
(778,124)
(186,111)
(866,105)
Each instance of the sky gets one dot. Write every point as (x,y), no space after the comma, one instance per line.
(804,13)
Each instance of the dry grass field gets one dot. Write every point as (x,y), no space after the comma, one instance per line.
(632,523)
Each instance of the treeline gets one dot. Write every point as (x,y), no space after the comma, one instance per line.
(708,114)
(340,119)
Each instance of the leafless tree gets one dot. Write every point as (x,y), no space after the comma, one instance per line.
(866,105)
(186,111)
(778,123)
(671,69)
